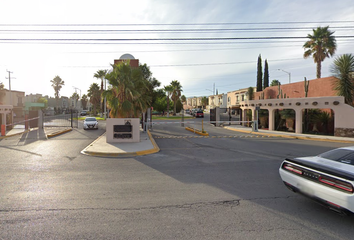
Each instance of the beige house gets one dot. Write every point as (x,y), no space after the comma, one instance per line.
(16,99)
(217,101)
(234,98)
(193,102)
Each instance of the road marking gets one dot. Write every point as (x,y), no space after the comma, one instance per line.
(230,136)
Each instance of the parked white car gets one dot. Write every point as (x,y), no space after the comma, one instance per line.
(90,123)
(327,178)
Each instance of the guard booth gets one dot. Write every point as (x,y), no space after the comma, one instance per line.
(122,130)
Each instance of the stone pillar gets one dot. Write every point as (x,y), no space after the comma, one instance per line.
(244,116)
(298,121)
(271,119)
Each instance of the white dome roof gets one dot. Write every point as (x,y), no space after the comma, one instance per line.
(126,56)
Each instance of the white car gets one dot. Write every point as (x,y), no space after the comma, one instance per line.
(327,178)
(90,123)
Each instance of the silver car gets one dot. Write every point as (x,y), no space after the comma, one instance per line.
(90,123)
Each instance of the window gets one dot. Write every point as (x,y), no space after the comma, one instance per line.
(243,97)
(340,155)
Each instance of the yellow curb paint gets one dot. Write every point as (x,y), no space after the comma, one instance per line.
(59,132)
(196,131)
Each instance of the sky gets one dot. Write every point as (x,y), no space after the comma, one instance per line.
(204,44)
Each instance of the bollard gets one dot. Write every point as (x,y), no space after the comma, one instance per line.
(26,122)
(3,129)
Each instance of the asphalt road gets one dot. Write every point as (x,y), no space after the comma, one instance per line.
(217,187)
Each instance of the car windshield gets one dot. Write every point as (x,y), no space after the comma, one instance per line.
(90,119)
(339,155)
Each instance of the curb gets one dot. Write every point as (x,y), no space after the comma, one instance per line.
(58,133)
(287,136)
(15,134)
(197,131)
(126,154)
(150,151)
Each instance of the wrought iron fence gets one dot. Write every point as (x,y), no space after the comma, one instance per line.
(62,120)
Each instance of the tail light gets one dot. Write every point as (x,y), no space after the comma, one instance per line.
(291,168)
(336,183)
(319,177)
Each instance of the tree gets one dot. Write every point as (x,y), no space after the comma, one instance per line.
(95,96)
(259,74)
(101,74)
(275,82)
(250,92)
(160,104)
(153,83)
(84,101)
(176,93)
(205,102)
(169,90)
(183,99)
(128,95)
(266,75)
(2,92)
(43,100)
(57,84)
(343,68)
(321,45)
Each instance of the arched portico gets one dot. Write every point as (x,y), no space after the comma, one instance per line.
(343,112)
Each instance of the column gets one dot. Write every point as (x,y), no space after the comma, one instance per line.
(298,121)
(271,119)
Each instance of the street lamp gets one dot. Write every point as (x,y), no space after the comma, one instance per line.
(210,91)
(287,73)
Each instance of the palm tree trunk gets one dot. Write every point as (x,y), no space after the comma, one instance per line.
(319,69)
(174,107)
(168,106)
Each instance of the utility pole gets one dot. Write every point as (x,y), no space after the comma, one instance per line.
(9,85)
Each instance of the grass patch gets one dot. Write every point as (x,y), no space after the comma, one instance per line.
(169,118)
(83,118)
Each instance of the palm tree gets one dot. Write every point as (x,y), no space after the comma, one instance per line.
(101,74)
(176,93)
(322,44)
(76,98)
(128,94)
(57,84)
(169,90)
(205,101)
(343,68)
(84,101)
(95,96)
(183,99)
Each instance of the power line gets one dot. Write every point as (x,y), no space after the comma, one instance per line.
(177,24)
(159,30)
(159,39)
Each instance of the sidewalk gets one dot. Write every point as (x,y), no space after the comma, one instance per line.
(240,128)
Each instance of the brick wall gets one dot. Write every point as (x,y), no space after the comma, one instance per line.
(321,87)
